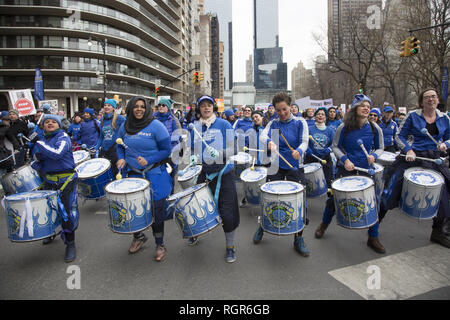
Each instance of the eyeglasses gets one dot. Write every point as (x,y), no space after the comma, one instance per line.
(247,110)
(373,115)
(429,97)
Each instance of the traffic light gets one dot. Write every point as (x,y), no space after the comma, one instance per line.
(195,78)
(415,46)
(156,91)
(406,45)
(361,89)
(200,76)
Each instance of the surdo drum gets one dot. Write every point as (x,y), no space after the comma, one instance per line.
(20,180)
(130,205)
(355,202)
(189,177)
(241,161)
(32,216)
(316,184)
(195,211)
(283,207)
(421,193)
(253,180)
(93,176)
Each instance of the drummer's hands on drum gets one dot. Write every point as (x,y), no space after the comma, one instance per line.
(142,162)
(349,166)
(410,156)
(296,154)
(193,160)
(371,159)
(442,147)
(120,164)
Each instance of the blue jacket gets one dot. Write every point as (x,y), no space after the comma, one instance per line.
(88,133)
(54,153)
(324,139)
(108,134)
(168,120)
(389,132)
(345,144)
(296,132)
(243,125)
(153,144)
(413,125)
(310,122)
(74,130)
(334,124)
(220,136)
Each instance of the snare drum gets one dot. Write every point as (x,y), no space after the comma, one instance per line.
(93,176)
(253,180)
(241,161)
(283,207)
(386,158)
(130,205)
(80,156)
(195,211)
(316,184)
(21,180)
(189,177)
(421,193)
(355,202)
(37,220)
(379,181)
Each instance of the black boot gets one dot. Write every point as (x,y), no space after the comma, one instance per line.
(441,233)
(71,252)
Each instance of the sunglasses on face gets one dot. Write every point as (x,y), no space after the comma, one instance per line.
(373,115)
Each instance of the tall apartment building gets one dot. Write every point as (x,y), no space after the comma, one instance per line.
(301,81)
(146,43)
(249,69)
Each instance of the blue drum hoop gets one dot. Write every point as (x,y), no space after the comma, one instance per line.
(105,173)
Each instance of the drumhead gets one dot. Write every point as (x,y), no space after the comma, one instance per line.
(80,155)
(92,168)
(31,195)
(186,192)
(127,185)
(282,187)
(352,183)
(312,167)
(249,175)
(378,167)
(190,173)
(387,156)
(242,158)
(423,177)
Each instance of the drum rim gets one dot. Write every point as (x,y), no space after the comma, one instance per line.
(423,169)
(196,167)
(277,193)
(15,171)
(203,185)
(312,164)
(256,168)
(354,176)
(240,162)
(51,193)
(98,174)
(134,191)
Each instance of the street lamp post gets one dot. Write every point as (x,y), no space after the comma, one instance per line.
(103,43)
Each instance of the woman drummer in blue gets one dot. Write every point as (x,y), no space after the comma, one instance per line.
(321,138)
(420,124)
(56,166)
(292,144)
(109,126)
(147,150)
(218,134)
(349,154)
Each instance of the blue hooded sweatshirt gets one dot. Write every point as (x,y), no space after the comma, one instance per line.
(89,133)
(241,126)
(389,131)
(170,122)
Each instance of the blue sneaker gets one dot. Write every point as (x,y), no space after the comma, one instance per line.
(258,235)
(300,247)
(231,255)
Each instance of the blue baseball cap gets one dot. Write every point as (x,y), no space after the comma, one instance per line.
(207,98)
(388,109)
(229,112)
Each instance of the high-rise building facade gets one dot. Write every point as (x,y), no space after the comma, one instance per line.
(302,80)
(266,23)
(146,43)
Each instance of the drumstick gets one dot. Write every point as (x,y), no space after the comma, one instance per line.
(119,141)
(192,127)
(248,149)
(252,168)
(321,160)
(436,161)
(20,135)
(361,144)
(369,171)
(425,131)
(286,142)
(315,142)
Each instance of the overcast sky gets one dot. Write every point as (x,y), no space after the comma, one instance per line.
(298,19)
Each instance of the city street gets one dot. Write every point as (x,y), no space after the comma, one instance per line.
(338,268)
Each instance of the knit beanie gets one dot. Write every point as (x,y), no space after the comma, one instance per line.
(360,98)
(53,117)
(112,102)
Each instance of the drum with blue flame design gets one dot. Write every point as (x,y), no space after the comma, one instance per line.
(44,215)
(355,202)
(130,203)
(195,211)
(282,207)
(93,176)
(21,180)
(253,180)
(316,185)
(421,193)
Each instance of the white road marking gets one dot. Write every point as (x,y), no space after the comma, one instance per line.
(402,275)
